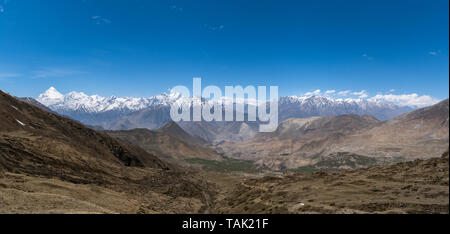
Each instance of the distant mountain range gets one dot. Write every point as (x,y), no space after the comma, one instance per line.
(114,113)
(297,142)
(303,107)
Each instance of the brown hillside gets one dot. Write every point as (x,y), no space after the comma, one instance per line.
(171,148)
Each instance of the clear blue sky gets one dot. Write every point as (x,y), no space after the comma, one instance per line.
(142,48)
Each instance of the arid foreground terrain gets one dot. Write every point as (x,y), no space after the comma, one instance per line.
(420,186)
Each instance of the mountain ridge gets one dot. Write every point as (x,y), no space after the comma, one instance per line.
(422,133)
(174,130)
(173,149)
(115,113)
(97,104)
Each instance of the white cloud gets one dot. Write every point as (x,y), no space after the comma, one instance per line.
(100,20)
(316,92)
(367,56)
(392,90)
(9,75)
(330,91)
(174,7)
(434,52)
(361,94)
(55,72)
(413,100)
(214,27)
(344,93)
(3,5)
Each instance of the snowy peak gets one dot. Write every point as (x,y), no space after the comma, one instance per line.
(51,93)
(50,96)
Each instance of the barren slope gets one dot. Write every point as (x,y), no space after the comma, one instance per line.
(166,146)
(423,133)
(296,141)
(174,130)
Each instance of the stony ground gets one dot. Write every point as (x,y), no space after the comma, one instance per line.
(411,187)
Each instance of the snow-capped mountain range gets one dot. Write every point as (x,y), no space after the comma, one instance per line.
(324,101)
(304,107)
(78,101)
(117,113)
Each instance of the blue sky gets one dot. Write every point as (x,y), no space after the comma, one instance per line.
(142,48)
